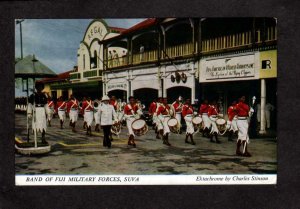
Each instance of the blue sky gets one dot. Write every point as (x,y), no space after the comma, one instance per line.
(55,41)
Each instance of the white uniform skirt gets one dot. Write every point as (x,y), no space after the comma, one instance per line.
(129,121)
(189,124)
(214,125)
(233,125)
(89,116)
(97,117)
(73,115)
(206,121)
(50,112)
(178,117)
(62,115)
(243,125)
(41,122)
(164,122)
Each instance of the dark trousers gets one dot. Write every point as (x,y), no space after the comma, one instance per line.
(106,132)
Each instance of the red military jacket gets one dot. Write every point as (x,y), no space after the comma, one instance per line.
(213,110)
(187,110)
(88,105)
(242,109)
(61,105)
(203,109)
(231,111)
(114,103)
(152,108)
(177,106)
(130,110)
(72,104)
(163,109)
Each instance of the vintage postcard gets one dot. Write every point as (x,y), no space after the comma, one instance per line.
(149,101)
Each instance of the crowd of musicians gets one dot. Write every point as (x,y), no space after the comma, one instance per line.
(109,114)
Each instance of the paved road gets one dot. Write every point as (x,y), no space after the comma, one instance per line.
(76,153)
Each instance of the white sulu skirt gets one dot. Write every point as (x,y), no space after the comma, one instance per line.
(40,123)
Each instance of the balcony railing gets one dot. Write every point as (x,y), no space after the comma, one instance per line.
(237,40)
(74,76)
(117,62)
(90,73)
(148,56)
(180,50)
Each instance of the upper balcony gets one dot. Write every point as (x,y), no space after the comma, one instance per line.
(93,74)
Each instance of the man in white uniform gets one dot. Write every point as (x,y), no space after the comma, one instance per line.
(88,108)
(72,107)
(131,114)
(177,105)
(107,118)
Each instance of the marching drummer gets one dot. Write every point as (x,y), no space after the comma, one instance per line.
(131,113)
(37,102)
(108,117)
(164,114)
(187,113)
(177,105)
(61,110)
(203,112)
(97,105)
(212,114)
(72,108)
(82,112)
(113,101)
(159,128)
(242,110)
(232,120)
(88,108)
(50,110)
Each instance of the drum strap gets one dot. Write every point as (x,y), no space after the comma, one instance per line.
(50,103)
(74,103)
(61,105)
(89,105)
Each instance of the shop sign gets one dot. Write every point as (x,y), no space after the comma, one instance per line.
(95,30)
(117,86)
(228,68)
(268,64)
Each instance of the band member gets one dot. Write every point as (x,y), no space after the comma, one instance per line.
(177,105)
(131,113)
(152,108)
(203,112)
(37,102)
(107,115)
(97,106)
(158,124)
(242,110)
(50,110)
(61,110)
(88,108)
(212,114)
(82,112)
(232,120)
(72,107)
(113,101)
(187,113)
(164,114)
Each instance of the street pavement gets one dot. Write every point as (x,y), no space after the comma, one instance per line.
(77,153)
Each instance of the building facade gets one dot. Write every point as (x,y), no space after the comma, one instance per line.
(196,58)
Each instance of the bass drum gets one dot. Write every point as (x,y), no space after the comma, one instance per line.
(197,122)
(173,125)
(139,127)
(221,123)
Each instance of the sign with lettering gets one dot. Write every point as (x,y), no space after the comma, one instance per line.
(268,64)
(117,86)
(229,68)
(97,30)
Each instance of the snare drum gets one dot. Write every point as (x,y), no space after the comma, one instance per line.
(139,127)
(173,125)
(197,121)
(221,123)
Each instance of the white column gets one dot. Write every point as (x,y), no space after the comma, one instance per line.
(262,107)
(193,95)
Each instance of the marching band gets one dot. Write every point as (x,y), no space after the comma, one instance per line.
(110,113)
